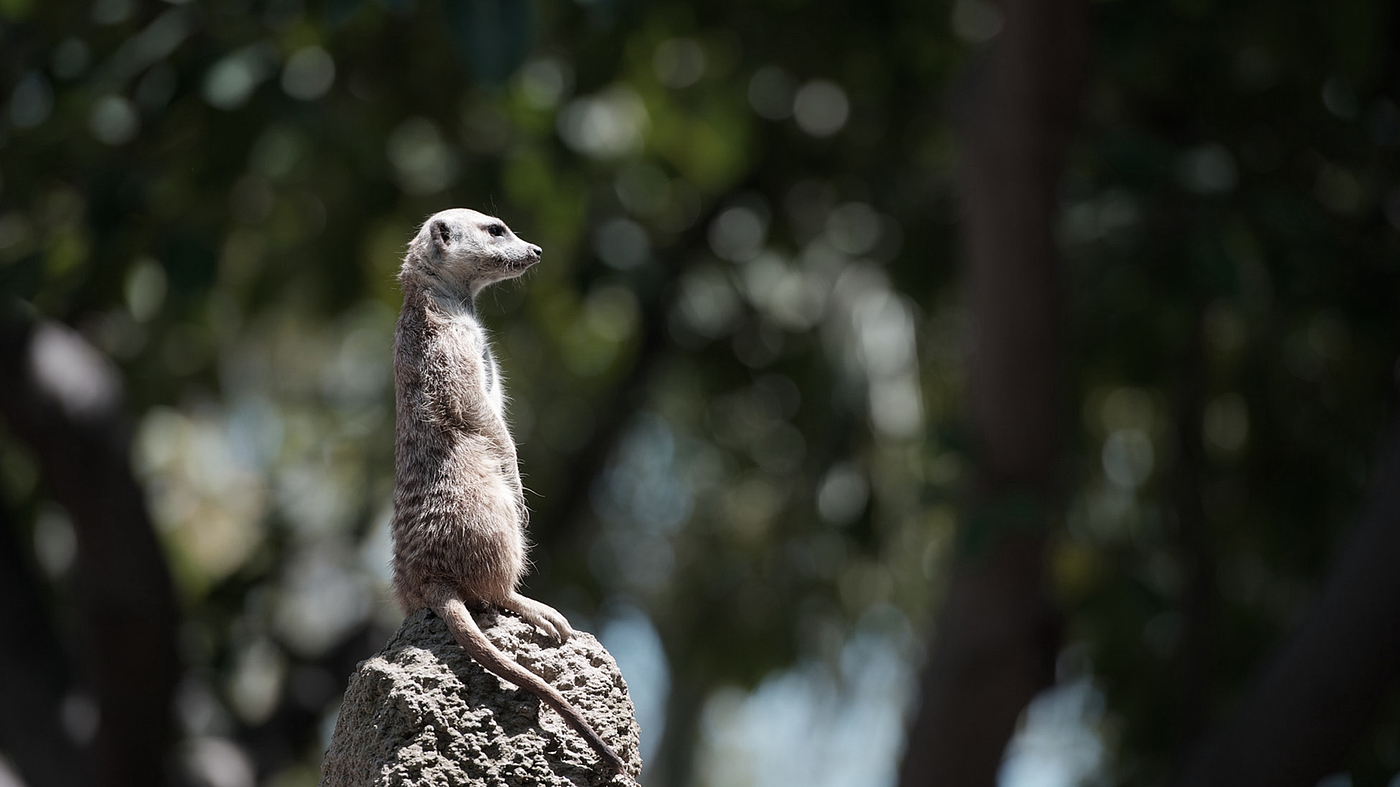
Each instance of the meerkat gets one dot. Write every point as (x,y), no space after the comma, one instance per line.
(459,510)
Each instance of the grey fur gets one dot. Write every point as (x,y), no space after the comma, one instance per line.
(459,511)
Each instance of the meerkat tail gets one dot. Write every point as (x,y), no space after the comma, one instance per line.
(448,606)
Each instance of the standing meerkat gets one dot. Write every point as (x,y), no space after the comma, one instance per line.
(459,511)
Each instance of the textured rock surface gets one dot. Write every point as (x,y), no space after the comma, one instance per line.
(421,712)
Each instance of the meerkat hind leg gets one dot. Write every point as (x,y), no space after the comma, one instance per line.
(541,616)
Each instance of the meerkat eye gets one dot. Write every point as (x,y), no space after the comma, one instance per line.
(496,230)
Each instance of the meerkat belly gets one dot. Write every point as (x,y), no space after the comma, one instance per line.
(464,527)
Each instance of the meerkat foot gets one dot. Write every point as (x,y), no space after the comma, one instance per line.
(541,616)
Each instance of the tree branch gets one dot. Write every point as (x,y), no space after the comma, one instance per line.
(1194,660)
(1324,686)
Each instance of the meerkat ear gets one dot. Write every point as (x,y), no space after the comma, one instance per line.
(441,234)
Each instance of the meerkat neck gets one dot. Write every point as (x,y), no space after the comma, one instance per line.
(455,304)
(441,299)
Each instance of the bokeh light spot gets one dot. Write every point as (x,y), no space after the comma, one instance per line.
(821,108)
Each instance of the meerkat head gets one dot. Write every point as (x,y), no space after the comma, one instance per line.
(461,251)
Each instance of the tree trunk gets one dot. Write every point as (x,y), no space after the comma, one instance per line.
(64,400)
(995,642)
(33,677)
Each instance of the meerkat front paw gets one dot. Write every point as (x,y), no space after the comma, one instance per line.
(541,616)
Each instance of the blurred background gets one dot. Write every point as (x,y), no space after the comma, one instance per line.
(922,393)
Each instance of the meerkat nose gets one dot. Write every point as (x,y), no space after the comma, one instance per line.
(536,250)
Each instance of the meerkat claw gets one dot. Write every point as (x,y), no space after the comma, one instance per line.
(541,616)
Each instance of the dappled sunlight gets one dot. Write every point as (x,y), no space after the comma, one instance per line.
(738,380)
(205,496)
(816,723)
(629,635)
(1058,743)
(607,125)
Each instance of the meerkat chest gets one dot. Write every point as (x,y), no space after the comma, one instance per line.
(473,351)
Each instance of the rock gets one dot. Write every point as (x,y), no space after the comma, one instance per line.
(422,712)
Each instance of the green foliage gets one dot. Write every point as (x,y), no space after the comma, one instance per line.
(753,205)
(1230,224)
